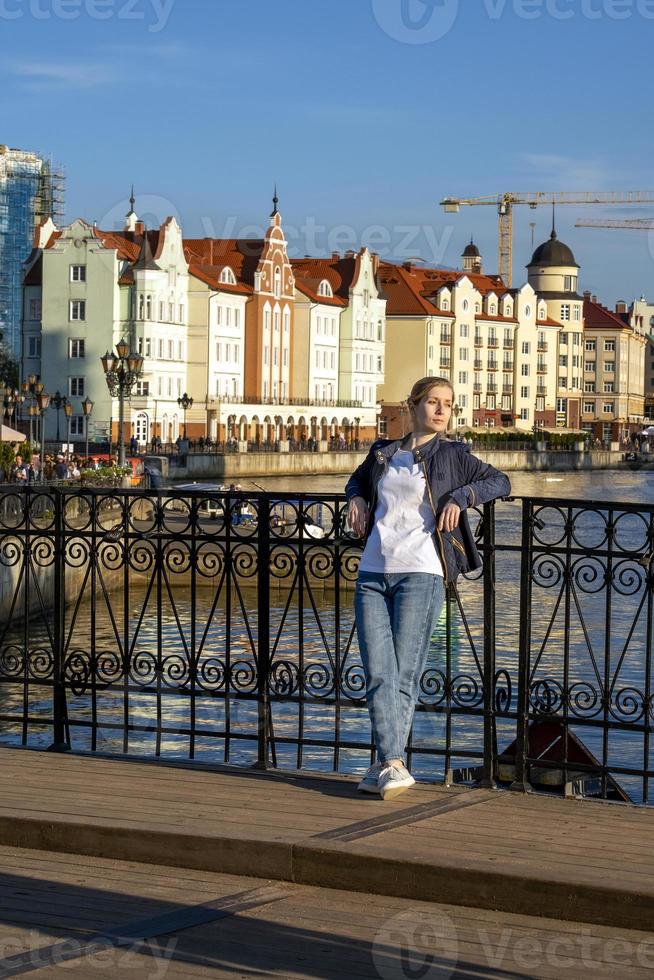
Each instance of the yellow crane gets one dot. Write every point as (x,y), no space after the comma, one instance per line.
(506,202)
(635,224)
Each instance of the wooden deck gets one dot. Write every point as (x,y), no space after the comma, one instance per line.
(64,915)
(532,855)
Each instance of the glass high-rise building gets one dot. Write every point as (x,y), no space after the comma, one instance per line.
(31,189)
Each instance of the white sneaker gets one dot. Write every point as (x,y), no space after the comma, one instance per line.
(370,781)
(394,780)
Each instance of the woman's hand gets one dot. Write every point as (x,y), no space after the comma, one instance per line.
(449,518)
(357,516)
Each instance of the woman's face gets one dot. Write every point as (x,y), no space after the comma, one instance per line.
(433,411)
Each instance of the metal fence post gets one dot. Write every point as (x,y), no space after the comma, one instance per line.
(490,739)
(59,708)
(263,630)
(521,780)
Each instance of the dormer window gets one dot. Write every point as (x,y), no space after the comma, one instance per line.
(325,289)
(445,304)
(227,276)
(477,307)
(493,309)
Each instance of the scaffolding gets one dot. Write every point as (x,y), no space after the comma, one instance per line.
(31,190)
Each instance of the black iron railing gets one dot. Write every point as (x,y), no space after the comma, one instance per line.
(220,627)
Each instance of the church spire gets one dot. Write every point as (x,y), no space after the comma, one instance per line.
(131,216)
(275,209)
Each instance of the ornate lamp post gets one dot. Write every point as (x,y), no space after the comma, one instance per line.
(68,409)
(58,401)
(185,402)
(42,404)
(122,370)
(87,408)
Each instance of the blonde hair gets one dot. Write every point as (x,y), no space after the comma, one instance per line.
(424,386)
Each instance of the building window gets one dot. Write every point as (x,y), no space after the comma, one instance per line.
(607,408)
(463,377)
(524,392)
(563,360)
(524,370)
(576,313)
(589,387)
(524,414)
(589,365)
(76,387)
(463,330)
(227,276)
(76,348)
(525,346)
(463,353)
(142,388)
(609,367)
(33,346)
(589,408)
(565,316)
(325,289)
(590,345)
(35,309)
(563,383)
(77,425)
(564,338)
(162,311)
(609,345)
(77,309)
(78,273)
(609,387)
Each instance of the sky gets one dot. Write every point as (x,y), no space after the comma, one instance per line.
(365,112)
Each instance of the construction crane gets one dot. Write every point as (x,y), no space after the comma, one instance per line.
(506,202)
(635,224)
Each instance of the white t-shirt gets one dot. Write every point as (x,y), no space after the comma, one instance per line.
(401,539)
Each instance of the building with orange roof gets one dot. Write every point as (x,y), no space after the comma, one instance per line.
(615,346)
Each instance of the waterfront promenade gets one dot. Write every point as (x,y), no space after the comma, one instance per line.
(245,873)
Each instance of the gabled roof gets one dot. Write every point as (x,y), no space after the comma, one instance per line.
(600,318)
(242,255)
(339,272)
(412,289)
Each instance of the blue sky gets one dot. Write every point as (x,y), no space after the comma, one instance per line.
(366,112)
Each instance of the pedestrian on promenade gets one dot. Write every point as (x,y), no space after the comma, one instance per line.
(408,499)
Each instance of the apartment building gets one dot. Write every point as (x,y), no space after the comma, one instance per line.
(615,346)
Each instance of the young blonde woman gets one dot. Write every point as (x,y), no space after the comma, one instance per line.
(408,500)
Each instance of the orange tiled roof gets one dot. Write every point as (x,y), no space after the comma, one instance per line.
(599,317)
(242,255)
(339,273)
(412,290)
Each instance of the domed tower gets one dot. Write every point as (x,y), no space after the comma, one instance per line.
(553,274)
(472,258)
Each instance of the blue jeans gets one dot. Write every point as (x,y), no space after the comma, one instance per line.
(395,618)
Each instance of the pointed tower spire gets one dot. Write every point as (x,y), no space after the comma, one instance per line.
(145,261)
(553,235)
(131,216)
(275,209)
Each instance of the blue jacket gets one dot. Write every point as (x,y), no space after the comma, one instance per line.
(452,473)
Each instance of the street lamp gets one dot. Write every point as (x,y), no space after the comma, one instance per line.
(185,402)
(122,370)
(68,409)
(58,401)
(42,404)
(87,408)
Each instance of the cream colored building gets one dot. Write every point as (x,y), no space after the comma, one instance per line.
(495,345)
(614,370)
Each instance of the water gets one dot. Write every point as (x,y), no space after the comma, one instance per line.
(311,640)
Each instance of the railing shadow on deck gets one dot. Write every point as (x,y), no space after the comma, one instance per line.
(219,627)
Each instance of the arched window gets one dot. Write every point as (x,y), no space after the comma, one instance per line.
(227,276)
(278,282)
(325,289)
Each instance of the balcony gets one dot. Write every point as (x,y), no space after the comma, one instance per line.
(541,369)
(541,391)
(479,364)
(478,341)
(477,386)
(492,366)
(507,365)
(491,388)
(542,347)
(445,365)
(508,344)
(446,338)
(507,389)
(493,342)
